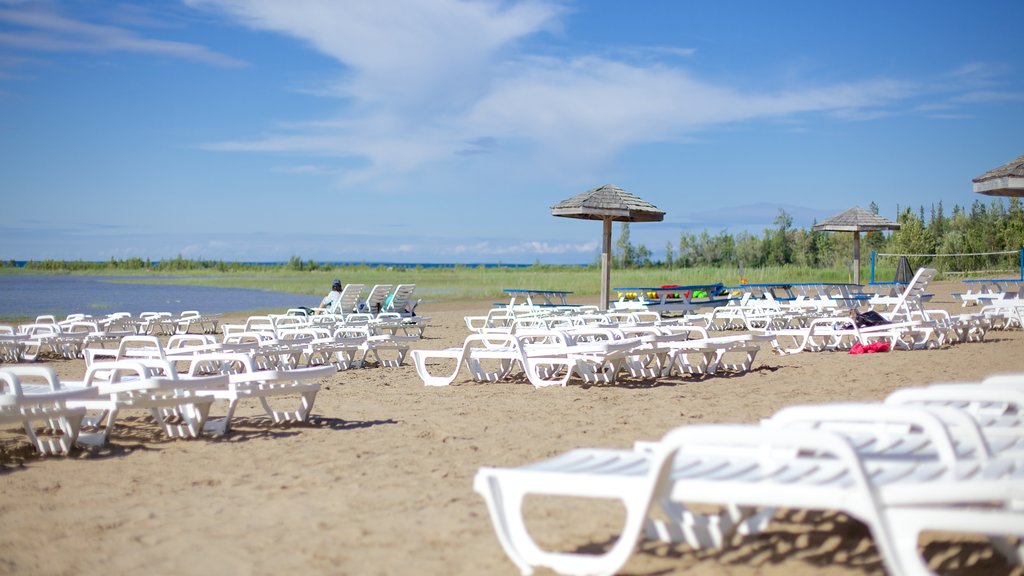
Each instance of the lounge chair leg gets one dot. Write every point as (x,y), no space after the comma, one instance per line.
(908,523)
(298,416)
(505,504)
(64,426)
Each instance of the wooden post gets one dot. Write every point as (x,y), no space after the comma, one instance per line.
(856,257)
(606,263)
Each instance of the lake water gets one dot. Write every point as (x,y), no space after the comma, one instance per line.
(31,295)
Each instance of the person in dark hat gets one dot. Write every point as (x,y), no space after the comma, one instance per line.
(332,297)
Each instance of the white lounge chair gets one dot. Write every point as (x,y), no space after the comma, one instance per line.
(756,467)
(376,299)
(673,350)
(488,359)
(842,333)
(189,318)
(244,379)
(546,357)
(348,302)
(151,385)
(948,328)
(400,302)
(25,400)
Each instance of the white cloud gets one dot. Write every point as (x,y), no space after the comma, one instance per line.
(422,80)
(44,31)
(487,248)
(399,52)
(986,96)
(310,169)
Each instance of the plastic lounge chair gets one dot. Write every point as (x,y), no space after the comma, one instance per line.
(12,344)
(151,385)
(542,355)
(45,338)
(755,467)
(348,302)
(152,348)
(376,299)
(393,322)
(596,354)
(400,302)
(189,318)
(244,379)
(22,400)
(895,431)
(841,333)
(948,328)
(478,353)
(876,431)
(385,350)
(704,355)
(996,408)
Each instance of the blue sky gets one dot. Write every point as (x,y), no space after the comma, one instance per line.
(443,130)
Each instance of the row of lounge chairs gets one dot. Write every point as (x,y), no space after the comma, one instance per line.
(395,299)
(549,345)
(178,377)
(79,335)
(813,326)
(178,402)
(68,338)
(946,458)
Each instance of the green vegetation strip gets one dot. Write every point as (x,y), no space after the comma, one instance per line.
(470,282)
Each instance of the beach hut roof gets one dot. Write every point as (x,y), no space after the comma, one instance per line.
(1006,180)
(856,219)
(608,202)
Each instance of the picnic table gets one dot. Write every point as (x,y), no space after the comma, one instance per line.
(536,297)
(771,290)
(984,290)
(669,298)
(848,294)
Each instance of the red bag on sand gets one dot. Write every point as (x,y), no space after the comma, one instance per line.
(859,348)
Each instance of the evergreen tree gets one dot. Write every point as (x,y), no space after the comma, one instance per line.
(912,238)
(779,242)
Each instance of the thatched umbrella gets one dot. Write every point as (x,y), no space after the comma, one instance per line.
(856,220)
(1006,180)
(609,204)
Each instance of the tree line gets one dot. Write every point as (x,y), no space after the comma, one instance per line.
(984,228)
(176,264)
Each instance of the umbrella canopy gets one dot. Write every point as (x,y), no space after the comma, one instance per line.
(856,220)
(1006,180)
(609,204)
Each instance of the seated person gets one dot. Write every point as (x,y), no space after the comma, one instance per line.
(332,297)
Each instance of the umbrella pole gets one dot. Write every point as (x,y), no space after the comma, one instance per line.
(606,268)
(856,257)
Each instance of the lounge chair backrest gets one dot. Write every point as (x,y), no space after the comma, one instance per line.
(400,300)
(348,302)
(909,302)
(377,298)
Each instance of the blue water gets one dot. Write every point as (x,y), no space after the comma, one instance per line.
(32,295)
(22,263)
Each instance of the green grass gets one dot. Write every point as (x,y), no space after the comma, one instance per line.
(476,282)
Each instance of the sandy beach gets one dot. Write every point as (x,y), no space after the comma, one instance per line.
(380,480)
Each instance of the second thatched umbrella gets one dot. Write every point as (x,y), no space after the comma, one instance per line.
(609,204)
(856,220)
(1006,180)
